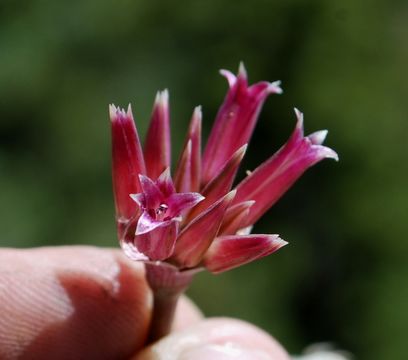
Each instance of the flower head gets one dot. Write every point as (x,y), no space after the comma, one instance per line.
(200,220)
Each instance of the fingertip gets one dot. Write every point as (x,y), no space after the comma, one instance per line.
(187,314)
(217,338)
(71,301)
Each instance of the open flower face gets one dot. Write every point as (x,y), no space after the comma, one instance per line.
(161,213)
(200,220)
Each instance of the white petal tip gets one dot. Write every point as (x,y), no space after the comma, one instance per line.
(334,155)
(129,111)
(274,87)
(137,198)
(327,153)
(241,151)
(197,114)
(318,137)
(231,194)
(143,178)
(242,71)
(298,113)
(250,202)
(165,174)
(165,94)
(189,146)
(231,78)
(162,98)
(278,241)
(299,116)
(245,231)
(112,111)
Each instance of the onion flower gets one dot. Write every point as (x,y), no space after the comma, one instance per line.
(198,219)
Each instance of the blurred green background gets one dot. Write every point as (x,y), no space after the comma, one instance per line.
(344,63)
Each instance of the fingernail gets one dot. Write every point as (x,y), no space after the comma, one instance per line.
(223,352)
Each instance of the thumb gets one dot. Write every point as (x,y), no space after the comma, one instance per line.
(217,338)
(71,303)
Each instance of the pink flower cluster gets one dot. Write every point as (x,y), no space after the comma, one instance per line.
(197,220)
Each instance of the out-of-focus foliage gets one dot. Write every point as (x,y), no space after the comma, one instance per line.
(344,63)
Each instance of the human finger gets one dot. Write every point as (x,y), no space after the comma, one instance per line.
(71,303)
(187,314)
(217,338)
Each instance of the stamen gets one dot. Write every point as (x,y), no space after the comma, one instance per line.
(162,209)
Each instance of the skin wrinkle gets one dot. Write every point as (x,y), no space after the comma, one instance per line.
(19,293)
(65,306)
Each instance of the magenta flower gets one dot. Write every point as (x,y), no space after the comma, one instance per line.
(161,209)
(199,221)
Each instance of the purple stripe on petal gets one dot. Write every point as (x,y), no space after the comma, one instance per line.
(195,137)
(188,173)
(157,150)
(182,179)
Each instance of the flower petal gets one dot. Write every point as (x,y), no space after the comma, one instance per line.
(158,244)
(180,202)
(157,150)
(234,218)
(231,78)
(152,194)
(221,184)
(126,235)
(127,161)
(188,173)
(146,224)
(195,239)
(235,121)
(165,183)
(318,137)
(139,199)
(182,179)
(274,177)
(228,252)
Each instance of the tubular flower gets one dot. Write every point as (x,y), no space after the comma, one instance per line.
(199,220)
